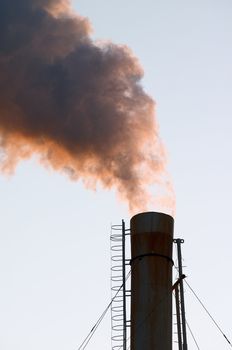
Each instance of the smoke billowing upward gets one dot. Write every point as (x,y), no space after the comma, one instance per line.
(77,104)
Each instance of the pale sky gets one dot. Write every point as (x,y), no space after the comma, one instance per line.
(54,237)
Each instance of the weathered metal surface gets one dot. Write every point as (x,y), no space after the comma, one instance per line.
(151,281)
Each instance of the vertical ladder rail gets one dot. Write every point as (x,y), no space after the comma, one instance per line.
(124,285)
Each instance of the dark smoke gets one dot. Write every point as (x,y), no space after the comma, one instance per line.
(77,104)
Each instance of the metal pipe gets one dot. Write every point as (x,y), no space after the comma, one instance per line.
(178,242)
(178,317)
(151,281)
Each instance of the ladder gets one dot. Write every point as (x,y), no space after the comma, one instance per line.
(120,287)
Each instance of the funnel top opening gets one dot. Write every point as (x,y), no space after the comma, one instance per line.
(152,222)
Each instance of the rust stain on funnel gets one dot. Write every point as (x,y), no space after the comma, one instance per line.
(151,281)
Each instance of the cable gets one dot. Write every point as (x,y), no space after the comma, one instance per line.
(216,324)
(94,328)
(194,339)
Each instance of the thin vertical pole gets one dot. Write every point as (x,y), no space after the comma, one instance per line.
(179,242)
(178,317)
(124,283)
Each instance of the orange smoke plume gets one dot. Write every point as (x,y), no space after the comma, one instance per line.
(77,104)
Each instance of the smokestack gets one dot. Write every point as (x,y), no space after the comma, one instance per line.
(151,281)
